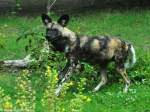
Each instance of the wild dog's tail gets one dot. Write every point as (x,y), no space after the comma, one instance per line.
(131,59)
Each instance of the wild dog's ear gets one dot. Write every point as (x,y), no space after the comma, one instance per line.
(46,19)
(63,20)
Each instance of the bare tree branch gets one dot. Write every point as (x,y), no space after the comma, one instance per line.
(50,5)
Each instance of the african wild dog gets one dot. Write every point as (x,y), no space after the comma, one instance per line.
(97,50)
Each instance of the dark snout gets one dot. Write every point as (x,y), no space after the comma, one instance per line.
(52,34)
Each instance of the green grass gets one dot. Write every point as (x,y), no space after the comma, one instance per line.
(133,26)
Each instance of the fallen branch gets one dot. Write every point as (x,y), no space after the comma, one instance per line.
(22,63)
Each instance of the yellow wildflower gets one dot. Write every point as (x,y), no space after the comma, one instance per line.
(48,71)
(88,99)
(7,105)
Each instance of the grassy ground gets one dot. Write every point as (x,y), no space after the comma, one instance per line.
(132,26)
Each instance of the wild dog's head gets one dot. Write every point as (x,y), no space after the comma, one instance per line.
(57,33)
(54,30)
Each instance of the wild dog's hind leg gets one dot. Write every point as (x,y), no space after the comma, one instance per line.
(123,73)
(103,75)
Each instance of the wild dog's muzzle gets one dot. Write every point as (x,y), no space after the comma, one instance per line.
(52,34)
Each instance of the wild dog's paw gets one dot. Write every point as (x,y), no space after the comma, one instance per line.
(126,89)
(96,89)
(57,91)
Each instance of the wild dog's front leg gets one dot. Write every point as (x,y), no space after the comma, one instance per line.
(66,73)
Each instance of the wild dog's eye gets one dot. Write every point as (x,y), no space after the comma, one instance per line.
(55,30)
(52,31)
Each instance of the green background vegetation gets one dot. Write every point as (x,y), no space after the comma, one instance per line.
(133,26)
